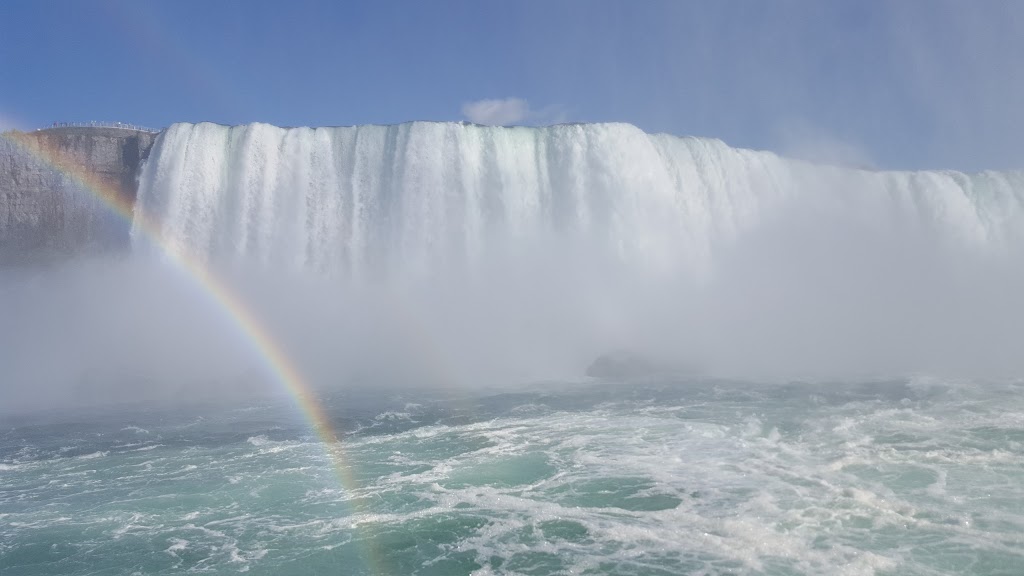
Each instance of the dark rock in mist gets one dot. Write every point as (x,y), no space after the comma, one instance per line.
(623,364)
(630,365)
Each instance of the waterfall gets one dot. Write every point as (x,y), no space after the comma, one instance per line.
(628,236)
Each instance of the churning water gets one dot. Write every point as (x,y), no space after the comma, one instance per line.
(687,477)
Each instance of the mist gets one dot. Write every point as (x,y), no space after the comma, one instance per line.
(834,279)
(457,257)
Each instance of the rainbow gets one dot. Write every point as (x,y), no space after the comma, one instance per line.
(277,361)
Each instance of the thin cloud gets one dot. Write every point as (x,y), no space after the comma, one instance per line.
(512,111)
(497,112)
(800,139)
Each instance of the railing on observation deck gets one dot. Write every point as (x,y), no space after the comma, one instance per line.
(120,125)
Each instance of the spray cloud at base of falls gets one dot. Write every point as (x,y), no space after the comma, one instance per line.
(461,253)
(581,237)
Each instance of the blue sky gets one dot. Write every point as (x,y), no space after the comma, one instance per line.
(909,84)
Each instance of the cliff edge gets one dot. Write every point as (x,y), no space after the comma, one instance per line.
(56,187)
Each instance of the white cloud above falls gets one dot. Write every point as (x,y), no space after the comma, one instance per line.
(498,112)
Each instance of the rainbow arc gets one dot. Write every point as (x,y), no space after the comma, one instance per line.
(254,330)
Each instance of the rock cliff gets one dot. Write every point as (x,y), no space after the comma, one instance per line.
(57,187)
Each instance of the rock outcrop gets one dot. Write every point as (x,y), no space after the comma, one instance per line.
(630,365)
(61,190)
(623,365)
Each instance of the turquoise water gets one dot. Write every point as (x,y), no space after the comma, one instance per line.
(918,477)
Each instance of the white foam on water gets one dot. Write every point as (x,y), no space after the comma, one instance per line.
(148,448)
(260,440)
(850,485)
(391,416)
(177,545)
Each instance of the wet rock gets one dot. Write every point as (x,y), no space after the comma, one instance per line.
(623,364)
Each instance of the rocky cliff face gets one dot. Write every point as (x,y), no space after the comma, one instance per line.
(57,187)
